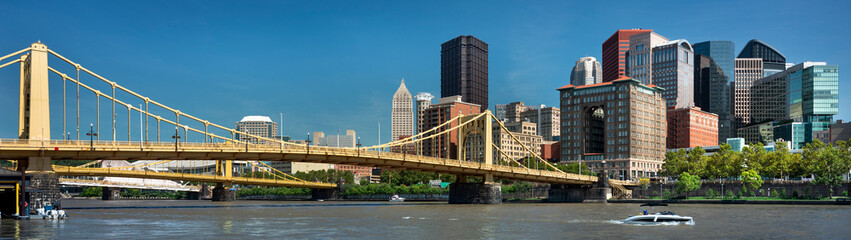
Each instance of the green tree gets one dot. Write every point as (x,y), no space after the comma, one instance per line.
(696,161)
(675,163)
(827,163)
(721,164)
(751,178)
(687,183)
(754,156)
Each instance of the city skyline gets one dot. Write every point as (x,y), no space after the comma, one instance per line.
(183,52)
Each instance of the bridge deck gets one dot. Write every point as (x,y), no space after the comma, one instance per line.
(109,150)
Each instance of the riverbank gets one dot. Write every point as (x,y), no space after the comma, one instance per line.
(838,201)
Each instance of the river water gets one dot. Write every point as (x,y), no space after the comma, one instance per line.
(166,219)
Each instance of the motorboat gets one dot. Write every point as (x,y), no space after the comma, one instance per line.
(658,217)
(48,212)
(396,198)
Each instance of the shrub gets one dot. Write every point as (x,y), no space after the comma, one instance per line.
(729,194)
(774,193)
(710,194)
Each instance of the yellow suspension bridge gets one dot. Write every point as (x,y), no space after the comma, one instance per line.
(34,149)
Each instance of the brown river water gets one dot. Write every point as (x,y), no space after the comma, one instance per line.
(166,219)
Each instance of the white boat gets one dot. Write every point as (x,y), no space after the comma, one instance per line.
(396,198)
(658,217)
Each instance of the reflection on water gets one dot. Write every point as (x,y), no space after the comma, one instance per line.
(248,219)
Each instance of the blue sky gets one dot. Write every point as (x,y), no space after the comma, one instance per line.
(331,65)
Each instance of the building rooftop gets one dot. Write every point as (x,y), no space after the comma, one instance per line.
(256,119)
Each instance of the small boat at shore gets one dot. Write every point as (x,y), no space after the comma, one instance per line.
(658,217)
(396,198)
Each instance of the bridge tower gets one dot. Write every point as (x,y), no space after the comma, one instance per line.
(34,108)
(487,191)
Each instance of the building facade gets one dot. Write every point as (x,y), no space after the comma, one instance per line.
(719,82)
(619,126)
(587,71)
(294,167)
(464,70)
(402,115)
(614,53)
(673,70)
(547,120)
(499,111)
(691,127)
(747,71)
(525,132)
(262,126)
(640,56)
(447,108)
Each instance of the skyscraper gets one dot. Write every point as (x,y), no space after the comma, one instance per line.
(747,71)
(614,53)
(586,72)
(640,56)
(720,82)
(423,102)
(464,70)
(402,121)
(446,108)
(772,60)
(673,70)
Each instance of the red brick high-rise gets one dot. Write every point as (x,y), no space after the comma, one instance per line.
(691,127)
(614,53)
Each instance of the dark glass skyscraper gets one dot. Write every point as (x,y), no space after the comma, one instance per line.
(772,60)
(719,80)
(464,70)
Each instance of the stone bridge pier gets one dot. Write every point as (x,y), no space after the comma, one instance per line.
(598,192)
(485,192)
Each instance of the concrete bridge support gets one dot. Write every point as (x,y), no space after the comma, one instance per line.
(111,193)
(599,192)
(486,192)
(223,193)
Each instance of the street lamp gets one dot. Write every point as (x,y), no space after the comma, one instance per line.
(92,134)
(358,144)
(176,137)
(307,143)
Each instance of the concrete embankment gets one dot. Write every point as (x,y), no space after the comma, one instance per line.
(841,201)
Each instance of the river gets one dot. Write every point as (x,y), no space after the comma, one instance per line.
(167,219)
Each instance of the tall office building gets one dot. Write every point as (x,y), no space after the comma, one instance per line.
(772,60)
(719,82)
(673,70)
(464,70)
(423,102)
(546,120)
(747,71)
(447,108)
(261,126)
(514,111)
(587,71)
(801,99)
(622,122)
(640,56)
(614,53)
(402,121)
